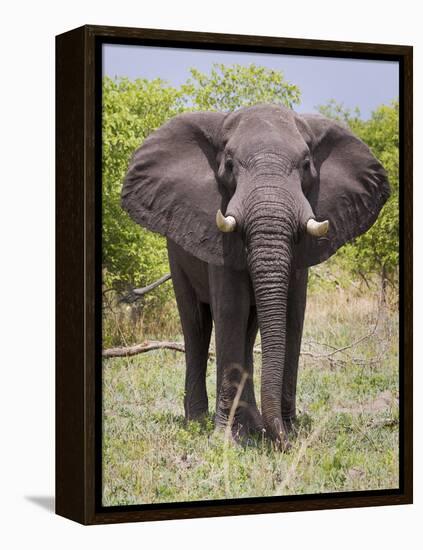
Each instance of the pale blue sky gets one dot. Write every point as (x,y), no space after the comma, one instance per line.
(355,83)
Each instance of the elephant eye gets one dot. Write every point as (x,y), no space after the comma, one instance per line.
(306,165)
(307,175)
(229,164)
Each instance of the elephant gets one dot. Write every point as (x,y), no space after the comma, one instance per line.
(293,188)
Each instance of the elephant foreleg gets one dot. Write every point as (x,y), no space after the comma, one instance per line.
(297,295)
(236,329)
(253,416)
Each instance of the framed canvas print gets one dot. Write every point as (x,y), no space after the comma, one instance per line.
(234,274)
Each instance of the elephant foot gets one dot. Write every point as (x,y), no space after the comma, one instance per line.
(252,420)
(246,422)
(277,434)
(198,415)
(282,444)
(290,425)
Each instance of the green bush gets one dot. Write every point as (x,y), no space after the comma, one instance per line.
(132,256)
(377,251)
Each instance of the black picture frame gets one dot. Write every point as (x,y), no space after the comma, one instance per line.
(78,273)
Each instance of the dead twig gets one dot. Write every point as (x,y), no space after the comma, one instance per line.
(176,346)
(137,293)
(364,279)
(142,348)
(344,348)
(149,345)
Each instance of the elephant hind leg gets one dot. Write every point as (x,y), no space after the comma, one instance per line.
(196,321)
(197,349)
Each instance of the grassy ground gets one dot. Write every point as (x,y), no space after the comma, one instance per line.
(348,417)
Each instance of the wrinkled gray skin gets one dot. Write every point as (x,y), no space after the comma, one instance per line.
(272,170)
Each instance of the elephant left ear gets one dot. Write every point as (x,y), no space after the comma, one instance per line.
(350,189)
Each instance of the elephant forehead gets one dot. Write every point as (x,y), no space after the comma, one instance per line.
(256,130)
(260,117)
(254,126)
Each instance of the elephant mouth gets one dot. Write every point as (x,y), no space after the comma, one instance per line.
(228,224)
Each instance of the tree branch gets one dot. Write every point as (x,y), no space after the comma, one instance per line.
(151,345)
(142,348)
(349,346)
(137,293)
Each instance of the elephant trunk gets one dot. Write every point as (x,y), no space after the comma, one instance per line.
(270,225)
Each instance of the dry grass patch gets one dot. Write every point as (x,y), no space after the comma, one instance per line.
(347,425)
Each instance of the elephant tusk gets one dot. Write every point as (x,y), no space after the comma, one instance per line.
(227,224)
(317,229)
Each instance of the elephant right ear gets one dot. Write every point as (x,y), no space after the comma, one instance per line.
(171,188)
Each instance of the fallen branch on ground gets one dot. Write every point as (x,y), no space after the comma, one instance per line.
(339,350)
(150,345)
(177,346)
(142,348)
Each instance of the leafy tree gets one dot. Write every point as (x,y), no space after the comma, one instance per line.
(228,88)
(377,250)
(131,111)
(340,113)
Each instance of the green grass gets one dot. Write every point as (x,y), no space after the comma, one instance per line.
(348,418)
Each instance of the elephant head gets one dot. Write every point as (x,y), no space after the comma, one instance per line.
(292,188)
